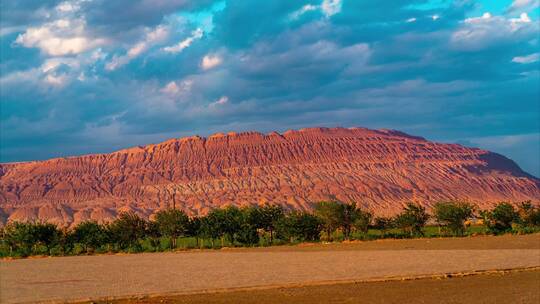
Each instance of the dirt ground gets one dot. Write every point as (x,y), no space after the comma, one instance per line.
(193,272)
(510,287)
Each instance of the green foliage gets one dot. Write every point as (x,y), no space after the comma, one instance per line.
(265,218)
(24,239)
(172,223)
(362,220)
(529,214)
(299,226)
(127,229)
(331,215)
(500,219)
(90,234)
(383,224)
(452,216)
(412,219)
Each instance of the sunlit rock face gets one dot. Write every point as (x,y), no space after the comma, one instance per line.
(381,170)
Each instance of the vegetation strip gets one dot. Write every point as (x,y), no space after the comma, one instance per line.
(315,283)
(260,226)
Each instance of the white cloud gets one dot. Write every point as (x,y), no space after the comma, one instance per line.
(210,61)
(411,20)
(480,32)
(306,8)
(61,37)
(173,88)
(527,59)
(435,17)
(221,101)
(327,8)
(152,37)
(524,5)
(180,46)
(331,7)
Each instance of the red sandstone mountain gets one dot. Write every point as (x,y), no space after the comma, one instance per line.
(379,169)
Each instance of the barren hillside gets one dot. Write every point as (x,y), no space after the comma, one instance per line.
(379,169)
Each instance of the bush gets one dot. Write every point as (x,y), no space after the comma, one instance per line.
(90,234)
(529,214)
(127,230)
(331,216)
(500,219)
(412,219)
(172,223)
(452,216)
(383,224)
(299,226)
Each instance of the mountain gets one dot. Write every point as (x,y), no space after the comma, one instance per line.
(379,169)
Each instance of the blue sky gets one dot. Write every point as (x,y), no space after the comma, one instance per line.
(89,76)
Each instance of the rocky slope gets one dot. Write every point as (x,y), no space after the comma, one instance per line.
(379,169)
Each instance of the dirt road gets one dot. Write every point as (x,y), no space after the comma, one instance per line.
(91,277)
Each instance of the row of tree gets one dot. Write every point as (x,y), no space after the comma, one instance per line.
(247,225)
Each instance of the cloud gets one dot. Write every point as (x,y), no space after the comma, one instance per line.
(331,7)
(210,61)
(523,5)
(152,37)
(477,33)
(180,46)
(223,100)
(60,37)
(527,59)
(328,8)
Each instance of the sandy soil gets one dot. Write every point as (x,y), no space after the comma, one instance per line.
(92,277)
(514,287)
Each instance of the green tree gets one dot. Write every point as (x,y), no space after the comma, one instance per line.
(383,224)
(331,215)
(270,215)
(299,226)
(172,223)
(529,214)
(500,219)
(362,220)
(127,230)
(412,219)
(24,239)
(90,234)
(452,216)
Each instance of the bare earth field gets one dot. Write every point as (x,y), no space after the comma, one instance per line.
(253,271)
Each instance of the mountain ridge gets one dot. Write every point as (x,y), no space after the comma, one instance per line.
(380,169)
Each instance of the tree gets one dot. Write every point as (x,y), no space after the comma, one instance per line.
(90,234)
(383,224)
(452,216)
(172,223)
(529,214)
(127,229)
(362,220)
(500,219)
(331,215)
(412,219)
(24,238)
(266,217)
(300,226)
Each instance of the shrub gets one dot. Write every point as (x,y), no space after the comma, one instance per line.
(452,216)
(529,214)
(383,224)
(90,234)
(172,223)
(127,229)
(331,216)
(412,219)
(500,219)
(300,226)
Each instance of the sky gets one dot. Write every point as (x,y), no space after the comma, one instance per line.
(94,76)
